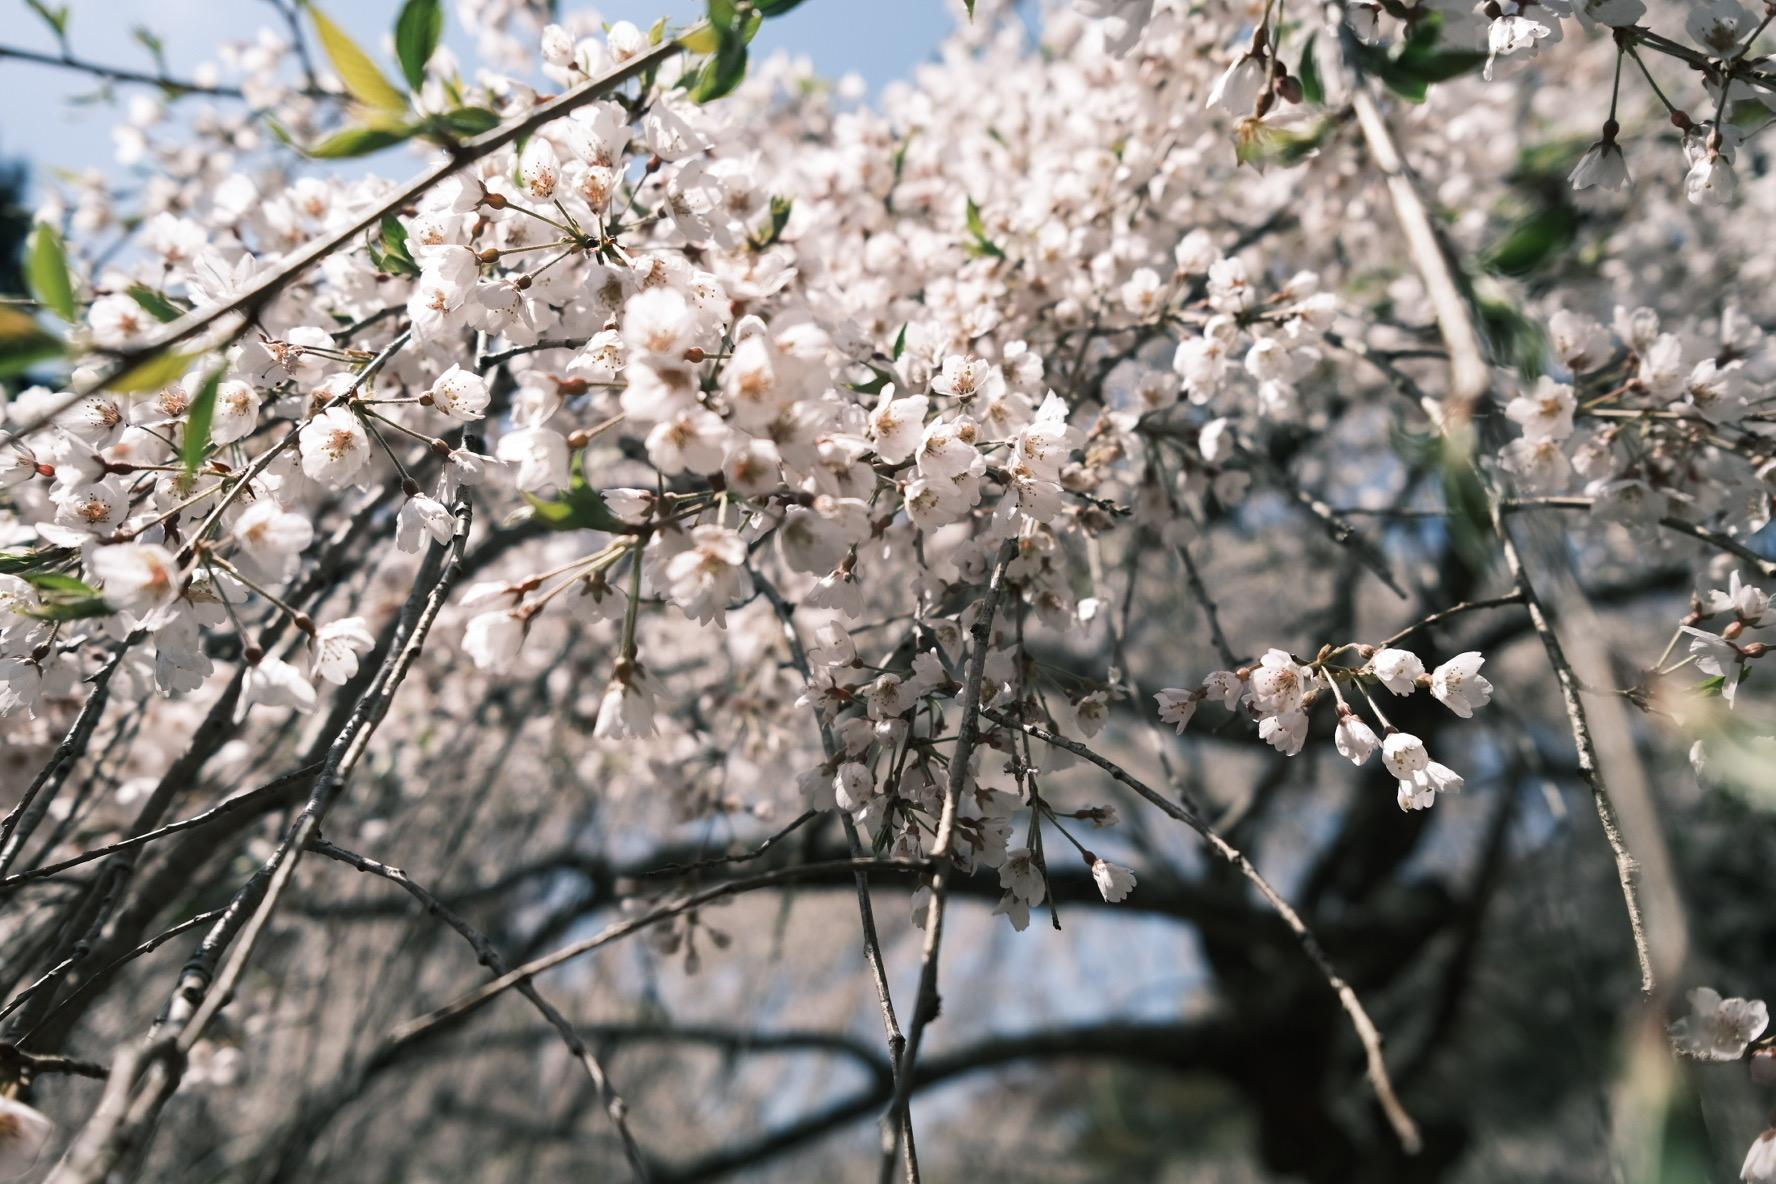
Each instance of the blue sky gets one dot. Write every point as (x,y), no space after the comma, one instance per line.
(880,41)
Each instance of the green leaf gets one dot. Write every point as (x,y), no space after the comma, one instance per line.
(161,370)
(470,121)
(358,141)
(579,508)
(725,70)
(394,239)
(700,38)
(780,210)
(54,583)
(158,306)
(197,423)
(1470,513)
(982,245)
(46,271)
(147,40)
(56,18)
(1511,335)
(1535,240)
(969,5)
(389,252)
(1418,64)
(878,379)
(24,343)
(1261,144)
(418,30)
(17,563)
(69,610)
(362,79)
(722,13)
(976,226)
(900,341)
(779,7)
(64,597)
(1313,89)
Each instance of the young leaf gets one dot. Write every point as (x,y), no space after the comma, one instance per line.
(1538,238)
(158,306)
(873,385)
(46,271)
(54,583)
(17,563)
(56,18)
(69,610)
(725,70)
(982,245)
(580,507)
(701,38)
(197,423)
(156,48)
(418,30)
(1313,88)
(900,341)
(470,121)
(357,141)
(354,67)
(163,369)
(780,209)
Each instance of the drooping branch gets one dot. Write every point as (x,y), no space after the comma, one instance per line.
(144,1077)
(263,290)
(1367,1033)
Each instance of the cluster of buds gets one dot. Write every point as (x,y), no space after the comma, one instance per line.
(1280,693)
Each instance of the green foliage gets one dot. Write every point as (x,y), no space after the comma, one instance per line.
(580,507)
(358,141)
(780,210)
(469,121)
(55,18)
(1418,64)
(389,253)
(418,29)
(17,563)
(1535,240)
(197,423)
(63,598)
(977,228)
(156,305)
(356,70)
(1313,88)
(153,373)
(46,272)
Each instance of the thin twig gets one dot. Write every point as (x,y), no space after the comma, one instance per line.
(1589,769)
(67,61)
(1466,606)
(490,957)
(925,1001)
(252,798)
(146,1076)
(473,1001)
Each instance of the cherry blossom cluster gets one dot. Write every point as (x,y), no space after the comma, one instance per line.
(1280,694)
